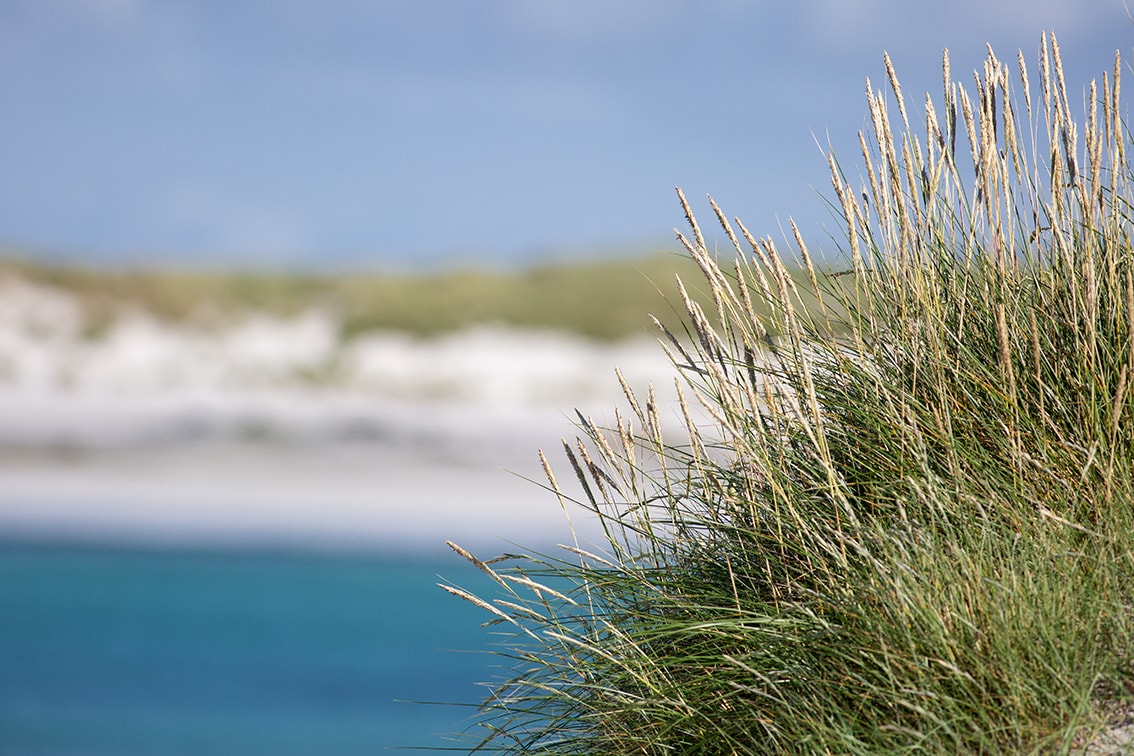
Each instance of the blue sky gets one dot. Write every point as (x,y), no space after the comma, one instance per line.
(416,133)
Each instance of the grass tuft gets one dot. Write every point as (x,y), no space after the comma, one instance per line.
(899,520)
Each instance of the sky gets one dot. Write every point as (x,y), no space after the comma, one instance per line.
(423,133)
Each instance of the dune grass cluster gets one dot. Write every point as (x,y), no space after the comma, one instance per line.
(900,519)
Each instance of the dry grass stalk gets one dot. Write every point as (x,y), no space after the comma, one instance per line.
(917,524)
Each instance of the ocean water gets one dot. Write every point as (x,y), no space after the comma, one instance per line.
(136,468)
(129,650)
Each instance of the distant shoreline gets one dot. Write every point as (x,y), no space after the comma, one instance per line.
(607,300)
(272,431)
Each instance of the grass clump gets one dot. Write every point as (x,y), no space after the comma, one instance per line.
(899,520)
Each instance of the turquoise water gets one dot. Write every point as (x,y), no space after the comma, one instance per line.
(145,651)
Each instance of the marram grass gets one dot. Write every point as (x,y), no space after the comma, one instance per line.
(900,519)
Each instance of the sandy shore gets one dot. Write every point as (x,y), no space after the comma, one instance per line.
(343,496)
(277,431)
(285,469)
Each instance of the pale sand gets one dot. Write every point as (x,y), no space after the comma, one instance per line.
(275,431)
(352,497)
(291,469)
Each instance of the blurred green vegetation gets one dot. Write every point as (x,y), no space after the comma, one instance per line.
(604,300)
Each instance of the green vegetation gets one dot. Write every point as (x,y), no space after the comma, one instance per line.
(603,300)
(905,525)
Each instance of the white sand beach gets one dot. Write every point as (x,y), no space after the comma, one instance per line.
(271,431)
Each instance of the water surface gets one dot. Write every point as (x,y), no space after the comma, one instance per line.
(132,650)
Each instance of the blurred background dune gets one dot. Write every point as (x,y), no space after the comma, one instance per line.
(368,391)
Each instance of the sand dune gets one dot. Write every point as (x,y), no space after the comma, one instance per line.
(275,431)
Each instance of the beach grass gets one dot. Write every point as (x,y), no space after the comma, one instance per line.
(599,299)
(899,520)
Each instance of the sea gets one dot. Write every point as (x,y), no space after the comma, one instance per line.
(258,597)
(127,649)
(253,598)
(208,546)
